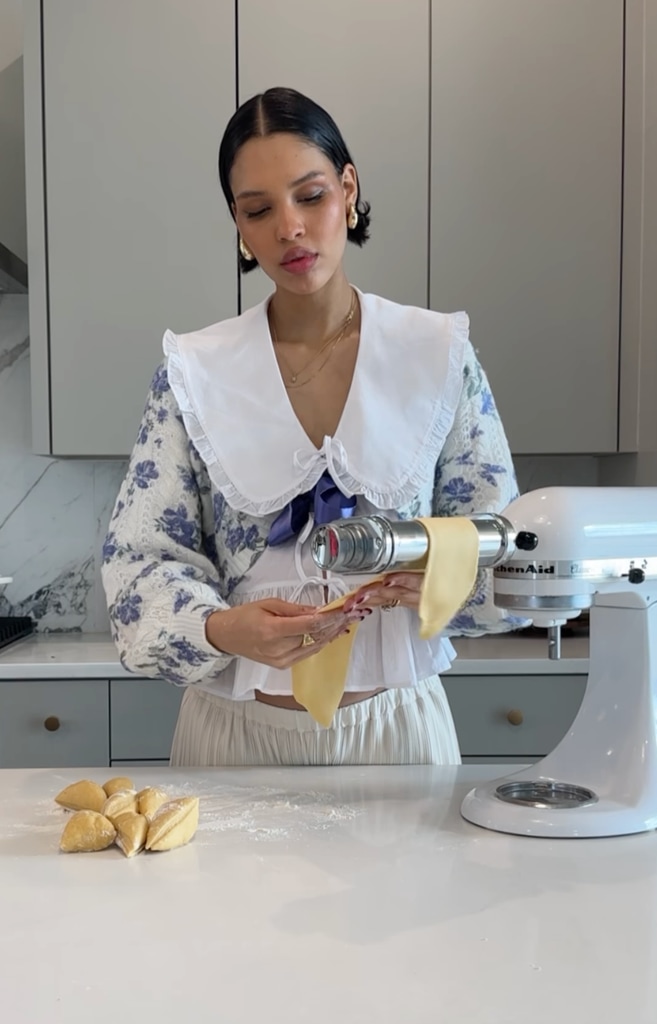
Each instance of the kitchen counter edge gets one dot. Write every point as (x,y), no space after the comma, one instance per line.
(94,656)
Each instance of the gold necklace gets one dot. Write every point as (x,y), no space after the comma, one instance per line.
(333,341)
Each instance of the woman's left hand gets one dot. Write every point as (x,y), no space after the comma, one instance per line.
(401,588)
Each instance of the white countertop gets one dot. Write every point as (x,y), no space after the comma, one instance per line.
(94,656)
(318,895)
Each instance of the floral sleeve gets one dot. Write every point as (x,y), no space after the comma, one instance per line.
(475,473)
(159,562)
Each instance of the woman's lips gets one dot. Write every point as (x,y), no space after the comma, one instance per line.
(299,261)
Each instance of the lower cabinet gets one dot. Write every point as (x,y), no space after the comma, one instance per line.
(127,722)
(54,723)
(512,718)
(60,723)
(143,714)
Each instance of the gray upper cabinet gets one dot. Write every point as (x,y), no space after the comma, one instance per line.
(526,187)
(128,231)
(488,135)
(367,63)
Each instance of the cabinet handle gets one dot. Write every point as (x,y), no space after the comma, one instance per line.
(515,717)
(51,723)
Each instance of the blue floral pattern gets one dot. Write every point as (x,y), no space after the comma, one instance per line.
(129,609)
(487,404)
(110,547)
(145,473)
(475,474)
(181,599)
(178,526)
(160,384)
(459,490)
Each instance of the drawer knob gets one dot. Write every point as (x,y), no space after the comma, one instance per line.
(515,717)
(51,723)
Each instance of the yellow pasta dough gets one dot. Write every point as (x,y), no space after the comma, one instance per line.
(148,819)
(150,800)
(87,832)
(82,796)
(122,802)
(115,785)
(131,832)
(450,571)
(174,824)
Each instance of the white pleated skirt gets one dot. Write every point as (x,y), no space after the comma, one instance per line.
(399,726)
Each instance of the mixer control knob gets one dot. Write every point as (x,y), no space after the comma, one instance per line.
(526,541)
(636,575)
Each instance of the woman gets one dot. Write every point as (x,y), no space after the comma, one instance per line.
(206,567)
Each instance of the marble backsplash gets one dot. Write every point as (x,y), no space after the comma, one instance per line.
(54,512)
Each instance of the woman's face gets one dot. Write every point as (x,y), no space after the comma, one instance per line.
(291,210)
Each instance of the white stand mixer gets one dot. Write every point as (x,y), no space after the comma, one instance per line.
(597,548)
(555,552)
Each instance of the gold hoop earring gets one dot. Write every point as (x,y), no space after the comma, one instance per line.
(245,252)
(352,219)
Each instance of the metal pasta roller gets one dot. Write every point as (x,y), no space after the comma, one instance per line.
(374,544)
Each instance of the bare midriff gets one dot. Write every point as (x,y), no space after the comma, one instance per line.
(282,701)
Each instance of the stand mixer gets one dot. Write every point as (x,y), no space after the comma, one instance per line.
(555,552)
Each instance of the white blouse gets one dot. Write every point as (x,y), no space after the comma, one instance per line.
(220,452)
(376,452)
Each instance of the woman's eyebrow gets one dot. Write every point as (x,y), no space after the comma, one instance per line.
(253,193)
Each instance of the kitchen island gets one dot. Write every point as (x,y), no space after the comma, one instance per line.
(346,895)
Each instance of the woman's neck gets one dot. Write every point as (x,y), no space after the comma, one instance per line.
(309,320)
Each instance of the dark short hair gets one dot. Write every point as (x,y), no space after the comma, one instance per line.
(286,110)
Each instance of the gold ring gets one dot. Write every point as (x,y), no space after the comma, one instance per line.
(308,640)
(387,607)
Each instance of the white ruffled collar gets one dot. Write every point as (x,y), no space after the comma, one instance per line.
(400,408)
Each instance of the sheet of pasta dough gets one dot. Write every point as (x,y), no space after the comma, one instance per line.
(450,571)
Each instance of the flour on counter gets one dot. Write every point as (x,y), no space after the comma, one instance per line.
(48,819)
(270,813)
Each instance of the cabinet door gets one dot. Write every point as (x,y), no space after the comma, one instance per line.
(513,716)
(56,723)
(367,63)
(526,176)
(143,718)
(138,236)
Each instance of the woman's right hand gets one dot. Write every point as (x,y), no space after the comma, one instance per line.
(272,631)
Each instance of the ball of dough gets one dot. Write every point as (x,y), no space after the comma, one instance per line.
(150,800)
(120,803)
(115,785)
(87,832)
(174,824)
(82,796)
(131,832)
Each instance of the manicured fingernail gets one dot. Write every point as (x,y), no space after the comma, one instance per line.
(389,583)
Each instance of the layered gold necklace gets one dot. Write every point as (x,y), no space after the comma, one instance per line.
(330,344)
